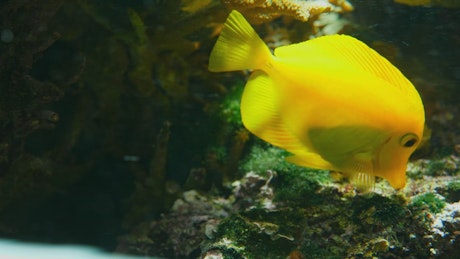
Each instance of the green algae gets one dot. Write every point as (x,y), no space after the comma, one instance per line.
(375,211)
(300,186)
(453,191)
(230,105)
(431,201)
(264,157)
(293,184)
(256,231)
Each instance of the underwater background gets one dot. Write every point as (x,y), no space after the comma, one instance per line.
(114,134)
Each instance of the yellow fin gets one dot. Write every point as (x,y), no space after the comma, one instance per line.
(353,52)
(238,47)
(363,181)
(259,113)
(360,170)
(311,160)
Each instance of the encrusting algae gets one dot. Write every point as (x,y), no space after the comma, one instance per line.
(333,102)
(443,3)
(259,11)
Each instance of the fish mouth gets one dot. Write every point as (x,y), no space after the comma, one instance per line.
(398,186)
(389,165)
(397,179)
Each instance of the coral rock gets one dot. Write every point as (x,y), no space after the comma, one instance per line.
(259,11)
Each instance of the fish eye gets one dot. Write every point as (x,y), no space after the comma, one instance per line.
(408,140)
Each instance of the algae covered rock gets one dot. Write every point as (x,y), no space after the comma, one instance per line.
(294,212)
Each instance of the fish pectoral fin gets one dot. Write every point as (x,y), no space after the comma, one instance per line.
(363,181)
(360,172)
(311,160)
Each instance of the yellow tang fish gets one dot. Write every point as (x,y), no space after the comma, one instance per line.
(333,102)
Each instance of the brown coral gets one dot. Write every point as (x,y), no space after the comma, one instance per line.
(443,3)
(259,11)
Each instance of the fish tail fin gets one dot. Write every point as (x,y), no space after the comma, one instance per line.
(238,47)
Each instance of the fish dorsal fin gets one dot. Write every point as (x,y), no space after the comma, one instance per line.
(259,112)
(238,47)
(354,53)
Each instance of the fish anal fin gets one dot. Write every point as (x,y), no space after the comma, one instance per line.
(311,160)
